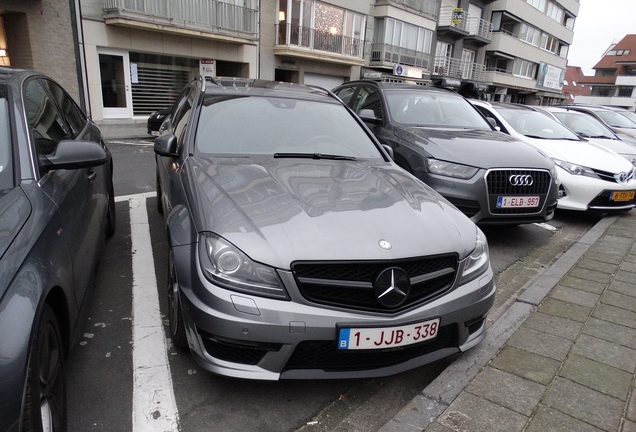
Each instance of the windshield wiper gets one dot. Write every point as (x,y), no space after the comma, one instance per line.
(314,156)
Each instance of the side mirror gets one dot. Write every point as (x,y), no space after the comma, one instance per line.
(493,123)
(166,145)
(388,149)
(368,115)
(71,154)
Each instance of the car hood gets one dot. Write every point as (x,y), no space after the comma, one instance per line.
(478,148)
(282,210)
(615,145)
(584,153)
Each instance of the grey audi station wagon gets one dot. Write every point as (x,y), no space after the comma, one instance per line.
(443,140)
(299,249)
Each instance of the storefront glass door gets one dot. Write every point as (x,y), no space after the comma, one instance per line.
(114,69)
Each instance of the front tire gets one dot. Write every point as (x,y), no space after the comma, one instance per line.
(111,220)
(45,396)
(177,328)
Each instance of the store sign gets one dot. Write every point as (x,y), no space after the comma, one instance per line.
(207,68)
(451,82)
(372,75)
(458,14)
(550,77)
(407,71)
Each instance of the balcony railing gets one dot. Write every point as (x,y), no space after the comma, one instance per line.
(474,26)
(312,39)
(455,68)
(204,15)
(480,28)
(428,8)
(383,54)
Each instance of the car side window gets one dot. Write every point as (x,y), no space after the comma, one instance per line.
(345,94)
(72,113)
(368,98)
(182,115)
(46,124)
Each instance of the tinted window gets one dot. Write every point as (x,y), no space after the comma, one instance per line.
(427,108)
(6,165)
(368,98)
(72,113)
(345,94)
(269,125)
(45,121)
(614,119)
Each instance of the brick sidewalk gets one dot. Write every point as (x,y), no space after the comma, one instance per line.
(570,366)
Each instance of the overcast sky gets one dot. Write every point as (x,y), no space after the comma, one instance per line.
(598,24)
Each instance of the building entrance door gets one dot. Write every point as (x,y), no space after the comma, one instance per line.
(114,70)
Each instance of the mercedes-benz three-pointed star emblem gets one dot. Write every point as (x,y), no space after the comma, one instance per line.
(392,287)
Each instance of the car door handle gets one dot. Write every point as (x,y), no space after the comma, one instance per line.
(92,175)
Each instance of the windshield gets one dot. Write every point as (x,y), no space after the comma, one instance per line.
(584,125)
(254,125)
(534,124)
(630,115)
(424,108)
(615,119)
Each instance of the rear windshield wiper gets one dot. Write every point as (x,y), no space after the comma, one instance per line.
(314,156)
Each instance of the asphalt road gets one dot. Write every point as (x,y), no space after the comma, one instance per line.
(101,377)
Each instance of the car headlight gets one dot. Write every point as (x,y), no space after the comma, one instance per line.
(450,169)
(478,261)
(575,169)
(227,266)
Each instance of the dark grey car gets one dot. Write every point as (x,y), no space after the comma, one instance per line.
(56,207)
(299,249)
(439,137)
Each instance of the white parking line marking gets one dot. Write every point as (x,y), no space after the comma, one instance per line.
(154,405)
(135,196)
(546,226)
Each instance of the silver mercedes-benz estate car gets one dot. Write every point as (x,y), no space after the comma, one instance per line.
(299,249)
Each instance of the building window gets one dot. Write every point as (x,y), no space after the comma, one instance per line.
(549,43)
(399,42)
(538,4)
(524,68)
(555,12)
(530,34)
(625,91)
(320,26)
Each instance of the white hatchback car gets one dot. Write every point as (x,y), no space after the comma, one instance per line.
(592,176)
(592,129)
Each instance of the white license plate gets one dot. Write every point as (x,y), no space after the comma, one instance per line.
(154,133)
(387,337)
(517,201)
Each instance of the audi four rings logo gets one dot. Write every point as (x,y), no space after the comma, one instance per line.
(521,180)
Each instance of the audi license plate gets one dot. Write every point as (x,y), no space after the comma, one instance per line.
(387,337)
(622,195)
(517,201)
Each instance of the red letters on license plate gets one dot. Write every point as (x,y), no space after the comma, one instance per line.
(387,337)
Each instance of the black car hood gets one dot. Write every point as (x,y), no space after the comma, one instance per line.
(474,147)
(282,210)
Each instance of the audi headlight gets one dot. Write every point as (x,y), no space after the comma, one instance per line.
(450,169)
(575,169)
(478,261)
(227,266)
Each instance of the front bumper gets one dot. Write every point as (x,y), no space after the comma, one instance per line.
(243,336)
(474,199)
(585,193)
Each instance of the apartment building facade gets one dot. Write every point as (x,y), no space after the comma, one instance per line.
(132,57)
(614,80)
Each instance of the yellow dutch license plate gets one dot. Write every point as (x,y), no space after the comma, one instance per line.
(622,195)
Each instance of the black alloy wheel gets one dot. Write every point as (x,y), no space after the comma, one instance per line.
(111,220)
(45,396)
(177,329)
